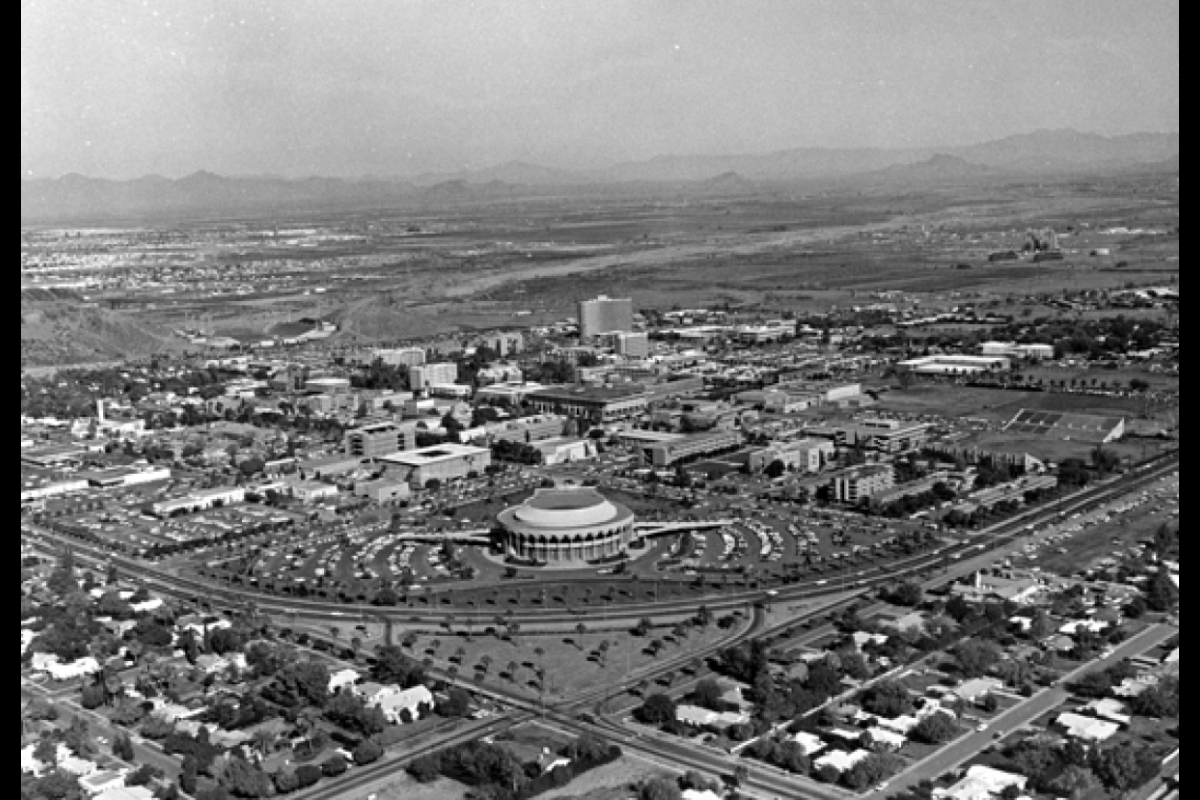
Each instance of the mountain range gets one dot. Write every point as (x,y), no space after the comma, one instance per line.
(74,196)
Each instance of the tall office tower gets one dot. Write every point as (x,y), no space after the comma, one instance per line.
(604,315)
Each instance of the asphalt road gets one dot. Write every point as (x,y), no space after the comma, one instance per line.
(1019,715)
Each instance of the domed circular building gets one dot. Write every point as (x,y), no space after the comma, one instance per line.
(564,526)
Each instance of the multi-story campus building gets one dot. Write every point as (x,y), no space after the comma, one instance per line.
(604,315)
(690,446)
(379,439)
(853,484)
(400,357)
(425,375)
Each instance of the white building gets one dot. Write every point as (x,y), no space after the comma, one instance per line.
(422,376)
(408,700)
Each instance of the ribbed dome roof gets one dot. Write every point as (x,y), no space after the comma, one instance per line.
(567,508)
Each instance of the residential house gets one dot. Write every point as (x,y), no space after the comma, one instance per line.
(981,783)
(410,700)
(702,717)
(1111,710)
(1089,729)
(102,781)
(883,739)
(343,677)
(841,760)
(125,793)
(810,743)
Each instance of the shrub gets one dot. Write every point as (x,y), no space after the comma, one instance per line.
(307,775)
(334,765)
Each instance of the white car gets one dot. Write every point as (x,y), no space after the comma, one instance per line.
(981,726)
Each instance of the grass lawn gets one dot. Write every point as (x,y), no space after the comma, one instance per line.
(526,742)
(571,661)
(405,788)
(609,782)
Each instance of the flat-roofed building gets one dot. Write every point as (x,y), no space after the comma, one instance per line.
(955,364)
(507,393)
(691,446)
(594,404)
(399,356)
(443,462)
(528,429)
(627,344)
(199,500)
(505,343)
(881,435)
(126,476)
(425,375)
(802,455)
(382,490)
(327,385)
(379,439)
(853,484)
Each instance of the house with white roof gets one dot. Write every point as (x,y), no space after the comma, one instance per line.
(66,761)
(125,793)
(101,781)
(1110,709)
(49,664)
(1088,729)
(343,677)
(810,743)
(701,717)
(981,783)
(840,759)
(408,700)
(372,692)
(861,638)
(882,738)
(973,689)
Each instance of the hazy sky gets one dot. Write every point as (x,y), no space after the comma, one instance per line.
(121,88)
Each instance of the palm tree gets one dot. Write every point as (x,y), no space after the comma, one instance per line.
(263,740)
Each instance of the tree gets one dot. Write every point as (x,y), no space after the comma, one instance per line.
(143,775)
(426,768)
(659,789)
(1074,781)
(187,774)
(1122,768)
(790,755)
(935,729)
(122,746)
(657,709)
(245,780)
(334,765)
(707,694)
(906,594)
(887,699)
(1161,592)
(976,656)
(367,751)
